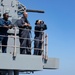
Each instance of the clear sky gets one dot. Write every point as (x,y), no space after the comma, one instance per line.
(60,19)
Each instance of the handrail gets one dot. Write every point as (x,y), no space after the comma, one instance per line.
(15,36)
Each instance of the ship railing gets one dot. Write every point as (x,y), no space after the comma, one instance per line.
(15,37)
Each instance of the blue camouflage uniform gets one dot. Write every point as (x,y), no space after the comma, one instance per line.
(3,32)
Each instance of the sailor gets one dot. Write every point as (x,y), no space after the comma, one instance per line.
(39,28)
(5,24)
(24,34)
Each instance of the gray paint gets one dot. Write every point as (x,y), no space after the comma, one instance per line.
(21,62)
(52,63)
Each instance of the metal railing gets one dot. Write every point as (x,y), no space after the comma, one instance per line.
(44,41)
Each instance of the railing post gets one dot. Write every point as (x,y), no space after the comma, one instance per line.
(43,38)
(46,48)
(14,53)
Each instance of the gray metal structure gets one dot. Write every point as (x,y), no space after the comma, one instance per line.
(12,62)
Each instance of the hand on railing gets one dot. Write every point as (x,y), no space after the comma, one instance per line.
(15,45)
(8,27)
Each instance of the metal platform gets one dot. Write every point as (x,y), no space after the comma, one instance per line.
(26,62)
(21,62)
(51,63)
(10,65)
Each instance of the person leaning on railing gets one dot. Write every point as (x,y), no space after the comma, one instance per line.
(24,34)
(5,24)
(39,28)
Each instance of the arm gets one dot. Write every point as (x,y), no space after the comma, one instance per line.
(29,27)
(37,27)
(21,24)
(45,27)
(9,25)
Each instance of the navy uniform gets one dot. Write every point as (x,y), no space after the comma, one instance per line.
(24,35)
(38,38)
(3,32)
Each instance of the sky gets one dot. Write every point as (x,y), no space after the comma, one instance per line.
(60,19)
